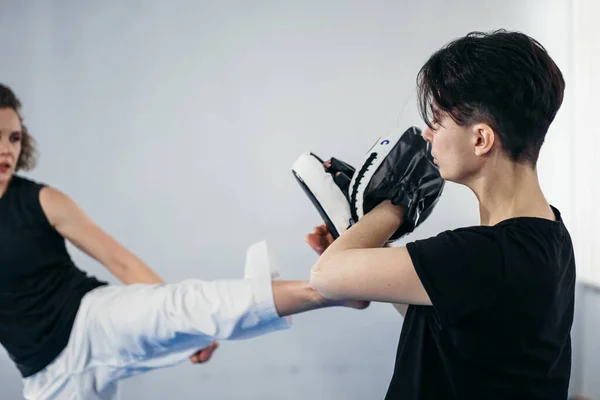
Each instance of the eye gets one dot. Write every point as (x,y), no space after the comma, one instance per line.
(434,124)
(15,137)
(435,119)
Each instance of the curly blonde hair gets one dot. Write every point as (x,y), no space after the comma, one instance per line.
(28,157)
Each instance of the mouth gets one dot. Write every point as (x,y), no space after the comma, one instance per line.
(4,167)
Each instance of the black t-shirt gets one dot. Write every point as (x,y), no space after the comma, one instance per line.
(40,286)
(499,327)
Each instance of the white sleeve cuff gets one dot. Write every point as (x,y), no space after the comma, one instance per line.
(261,270)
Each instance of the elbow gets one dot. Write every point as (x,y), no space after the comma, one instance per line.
(318,281)
(323,280)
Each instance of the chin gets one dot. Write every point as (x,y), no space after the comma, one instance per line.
(4,178)
(449,177)
(458,177)
(444,175)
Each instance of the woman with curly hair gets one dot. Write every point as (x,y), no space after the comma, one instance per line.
(73,336)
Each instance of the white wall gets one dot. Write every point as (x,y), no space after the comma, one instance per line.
(586,347)
(174,125)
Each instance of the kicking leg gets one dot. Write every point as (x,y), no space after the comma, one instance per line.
(144,327)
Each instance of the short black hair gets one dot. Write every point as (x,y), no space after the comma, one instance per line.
(505,79)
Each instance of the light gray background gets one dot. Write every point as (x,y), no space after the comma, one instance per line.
(174,125)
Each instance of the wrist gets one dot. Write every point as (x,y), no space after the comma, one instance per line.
(319,301)
(293,297)
(316,298)
(391,212)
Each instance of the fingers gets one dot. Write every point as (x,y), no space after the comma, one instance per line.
(315,242)
(360,304)
(319,239)
(196,358)
(321,230)
(327,165)
(205,354)
(319,242)
(329,238)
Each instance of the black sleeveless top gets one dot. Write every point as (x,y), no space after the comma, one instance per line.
(40,286)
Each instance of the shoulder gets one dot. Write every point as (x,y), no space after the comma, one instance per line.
(476,251)
(50,194)
(509,236)
(56,204)
(42,192)
(23,201)
(462,270)
(25,192)
(21,183)
(468,242)
(535,238)
(41,201)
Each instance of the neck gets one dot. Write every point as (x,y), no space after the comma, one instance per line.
(509,190)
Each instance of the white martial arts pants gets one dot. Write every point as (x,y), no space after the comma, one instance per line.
(122,331)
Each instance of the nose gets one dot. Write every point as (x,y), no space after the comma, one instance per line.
(428,134)
(3,144)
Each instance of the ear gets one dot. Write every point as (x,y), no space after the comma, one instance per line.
(483,138)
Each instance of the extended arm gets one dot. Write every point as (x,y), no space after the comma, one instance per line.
(78,228)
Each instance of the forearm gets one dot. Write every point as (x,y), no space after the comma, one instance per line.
(293,297)
(372,231)
(356,266)
(242,308)
(130,269)
(139,275)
